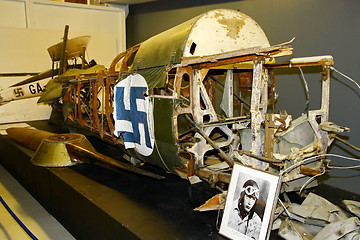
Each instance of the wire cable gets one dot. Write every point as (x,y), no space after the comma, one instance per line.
(300,163)
(344,167)
(323,170)
(345,142)
(311,179)
(314,158)
(306,88)
(345,76)
(285,208)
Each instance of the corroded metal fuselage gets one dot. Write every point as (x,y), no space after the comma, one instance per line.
(196,106)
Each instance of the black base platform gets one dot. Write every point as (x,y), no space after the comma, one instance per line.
(92,202)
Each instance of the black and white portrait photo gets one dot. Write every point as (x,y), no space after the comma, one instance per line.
(251,198)
(243,216)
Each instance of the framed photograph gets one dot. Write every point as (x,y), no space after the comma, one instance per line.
(250,204)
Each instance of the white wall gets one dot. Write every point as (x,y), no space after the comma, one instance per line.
(29,27)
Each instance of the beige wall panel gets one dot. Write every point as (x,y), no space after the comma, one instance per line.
(29,27)
(25,50)
(55,15)
(24,110)
(12,14)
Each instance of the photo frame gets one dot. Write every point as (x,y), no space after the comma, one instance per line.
(250,204)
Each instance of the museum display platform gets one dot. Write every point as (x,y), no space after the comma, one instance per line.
(93,202)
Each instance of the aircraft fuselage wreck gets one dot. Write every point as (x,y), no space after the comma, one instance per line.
(197,99)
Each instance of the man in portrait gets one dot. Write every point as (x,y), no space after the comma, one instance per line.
(243,217)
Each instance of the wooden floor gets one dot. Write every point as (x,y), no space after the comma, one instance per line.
(37,222)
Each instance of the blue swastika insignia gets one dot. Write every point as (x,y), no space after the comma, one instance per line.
(133,114)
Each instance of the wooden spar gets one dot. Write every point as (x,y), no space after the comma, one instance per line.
(62,67)
(95,157)
(77,151)
(28,137)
